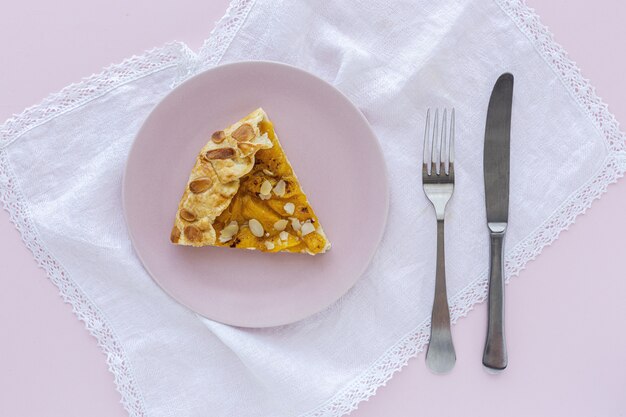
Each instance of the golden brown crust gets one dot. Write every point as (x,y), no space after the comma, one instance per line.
(214,179)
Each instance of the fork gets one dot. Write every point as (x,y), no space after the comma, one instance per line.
(438,181)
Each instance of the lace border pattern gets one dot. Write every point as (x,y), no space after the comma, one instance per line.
(579,87)
(75,95)
(217,43)
(210,54)
(95,322)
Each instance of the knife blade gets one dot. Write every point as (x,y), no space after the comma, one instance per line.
(496,169)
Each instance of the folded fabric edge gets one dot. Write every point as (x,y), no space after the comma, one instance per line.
(220,38)
(218,41)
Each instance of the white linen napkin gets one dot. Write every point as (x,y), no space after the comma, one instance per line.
(61,165)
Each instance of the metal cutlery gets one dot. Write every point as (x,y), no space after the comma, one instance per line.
(496,172)
(438,182)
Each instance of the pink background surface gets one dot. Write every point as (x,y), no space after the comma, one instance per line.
(565,312)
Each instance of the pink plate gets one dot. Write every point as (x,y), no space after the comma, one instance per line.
(335,155)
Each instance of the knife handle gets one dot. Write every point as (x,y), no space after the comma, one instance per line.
(495,356)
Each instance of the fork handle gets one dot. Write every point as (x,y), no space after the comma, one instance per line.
(440,356)
(495,356)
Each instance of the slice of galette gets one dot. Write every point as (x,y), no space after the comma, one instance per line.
(242,193)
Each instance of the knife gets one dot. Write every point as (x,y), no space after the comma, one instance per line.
(496,161)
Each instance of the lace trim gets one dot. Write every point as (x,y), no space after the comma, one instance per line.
(579,87)
(613,168)
(210,54)
(219,40)
(75,95)
(95,322)
(217,43)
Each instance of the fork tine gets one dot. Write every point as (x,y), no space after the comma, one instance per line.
(426,135)
(433,144)
(451,151)
(443,154)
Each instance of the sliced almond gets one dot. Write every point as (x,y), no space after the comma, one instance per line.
(246,148)
(232,228)
(187,215)
(295,224)
(265,196)
(283,235)
(256,227)
(220,153)
(279,189)
(175,235)
(307,227)
(192,233)
(218,137)
(266,187)
(289,208)
(244,133)
(229,231)
(200,185)
(269,245)
(268,172)
(281,225)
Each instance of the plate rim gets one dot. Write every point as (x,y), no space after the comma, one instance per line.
(385,180)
